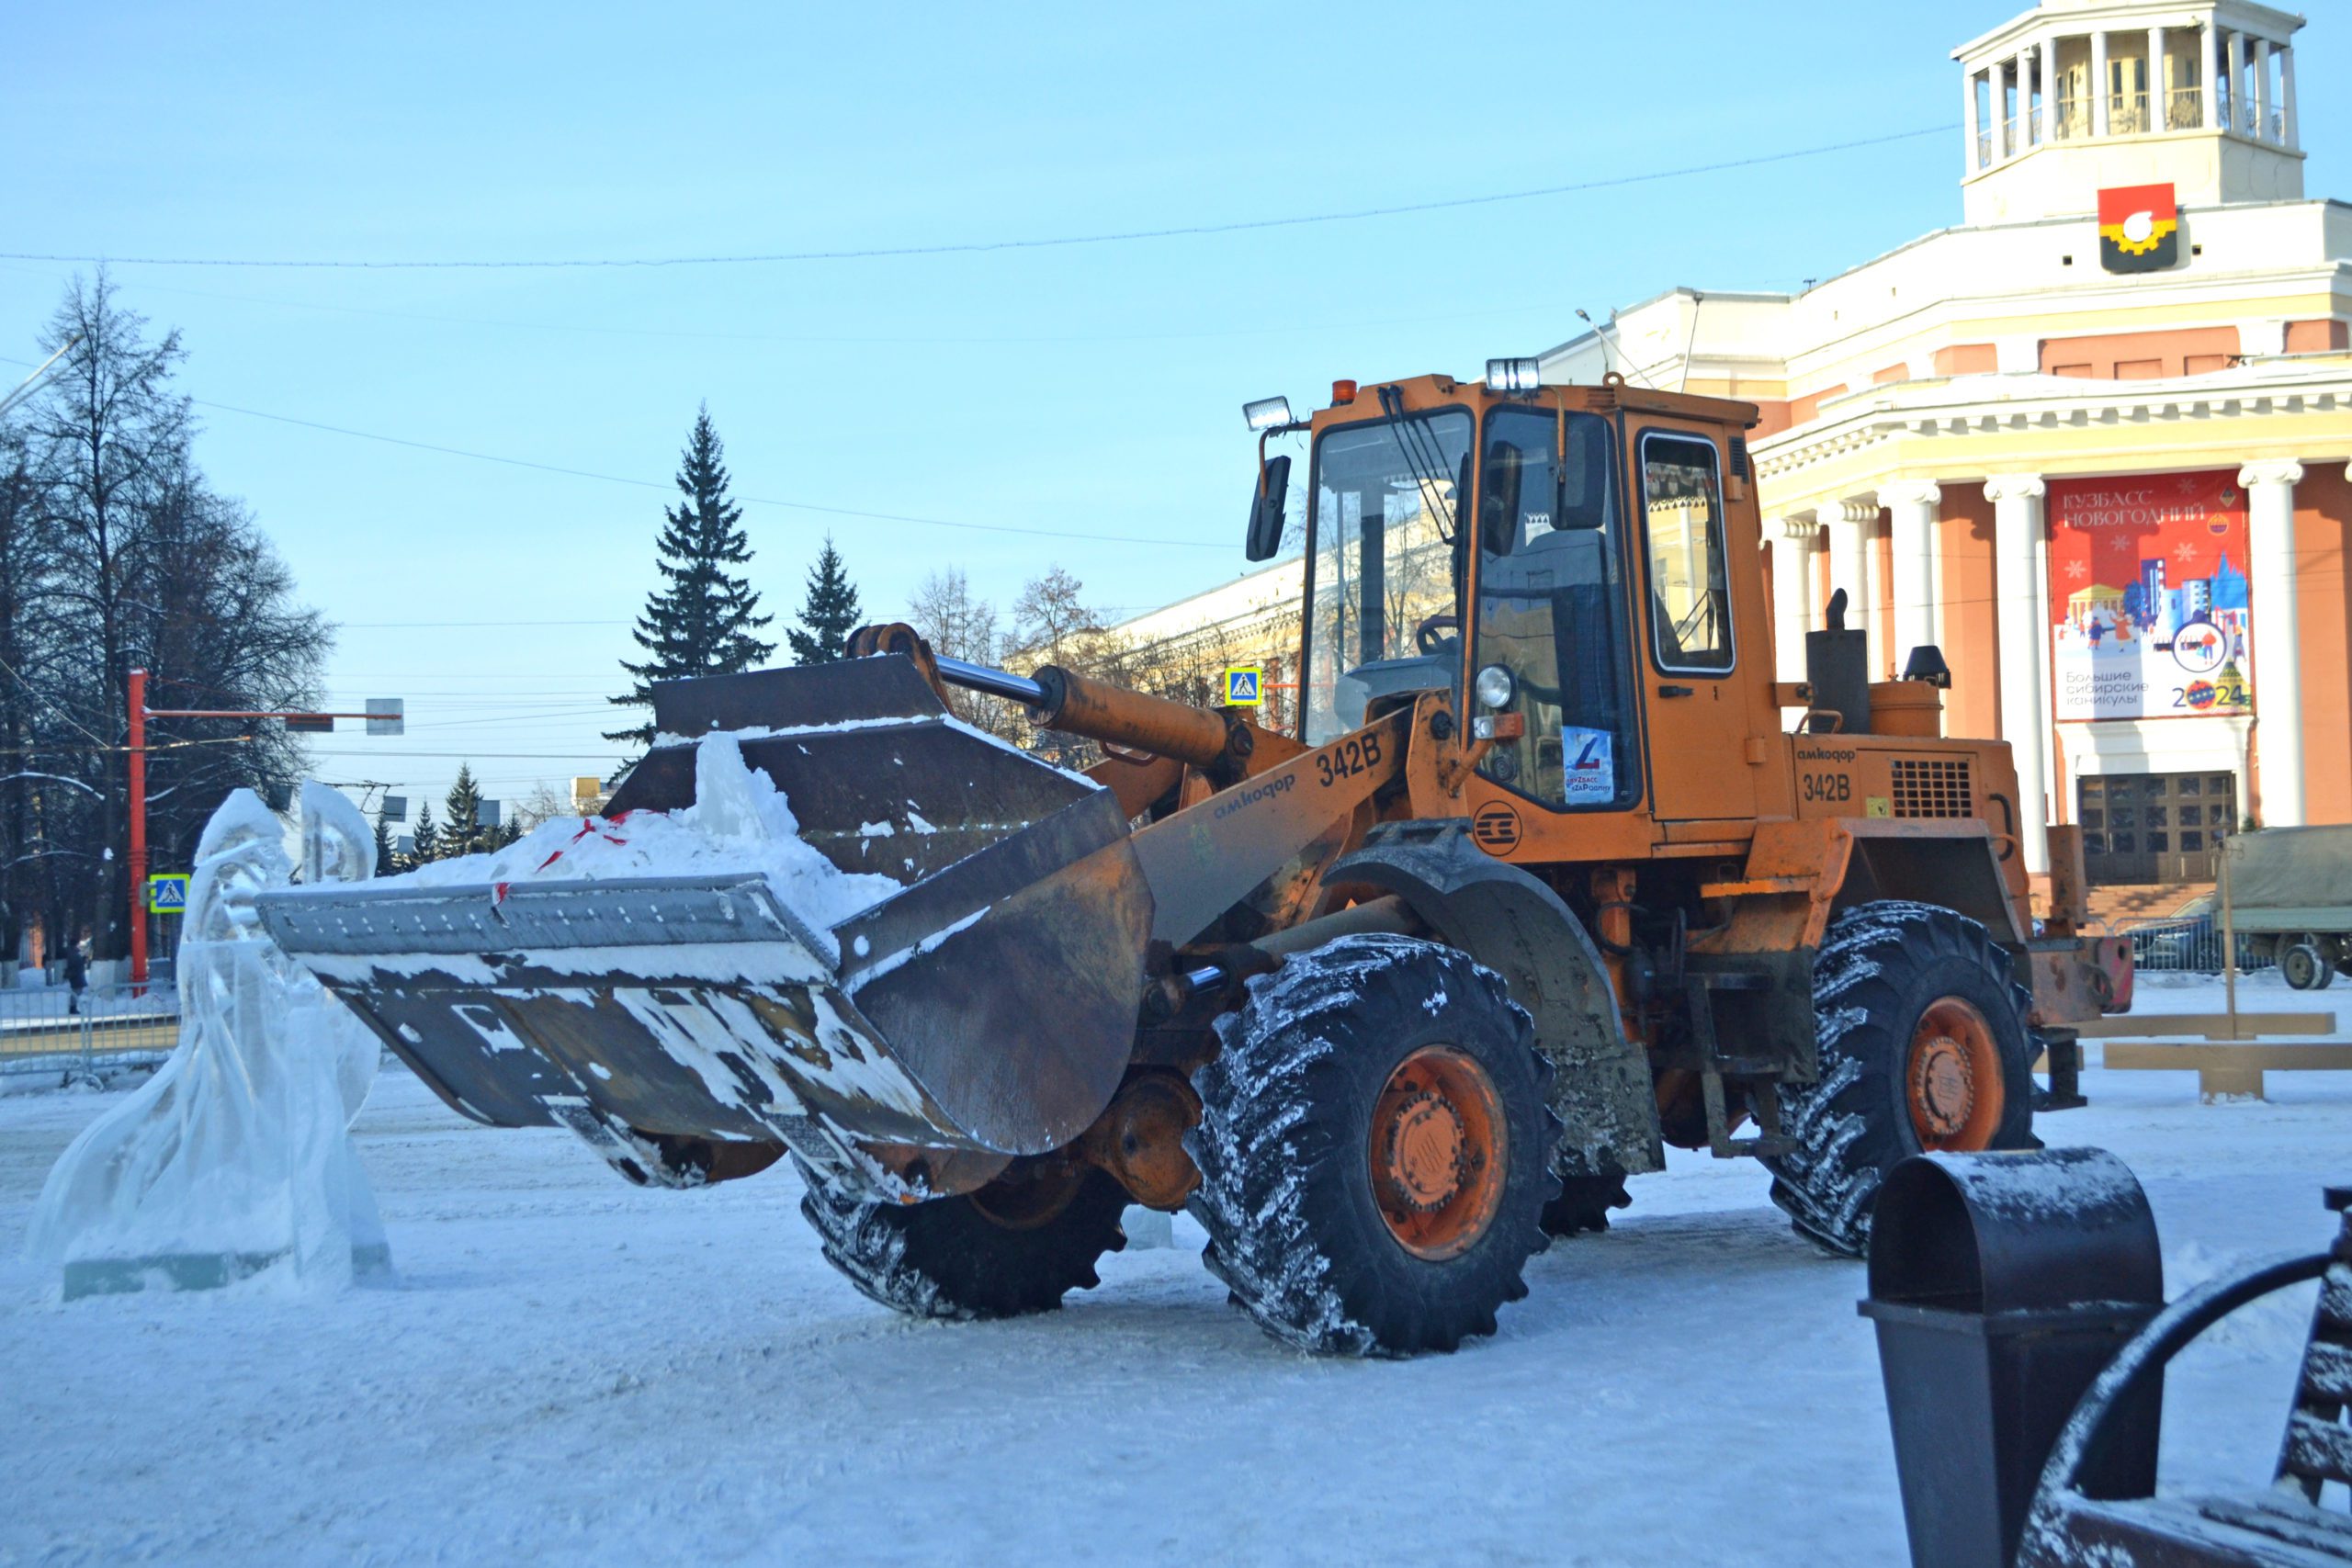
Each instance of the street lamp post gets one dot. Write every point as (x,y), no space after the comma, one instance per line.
(384,717)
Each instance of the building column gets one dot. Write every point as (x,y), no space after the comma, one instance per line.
(2028,119)
(1975,134)
(2159,95)
(2045,53)
(2098,82)
(2000,111)
(2291,135)
(2209,76)
(2262,89)
(1912,503)
(1846,534)
(2273,637)
(1792,610)
(2023,619)
(2237,80)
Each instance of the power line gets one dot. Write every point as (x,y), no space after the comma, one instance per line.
(966,247)
(54,706)
(652,484)
(745,500)
(1267,328)
(413,625)
(388,758)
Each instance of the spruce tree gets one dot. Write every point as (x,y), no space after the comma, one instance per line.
(425,844)
(462,833)
(701,620)
(383,846)
(830,613)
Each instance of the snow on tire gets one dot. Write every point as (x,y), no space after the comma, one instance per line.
(956,1258)
(1922,1044)
(1375,1149)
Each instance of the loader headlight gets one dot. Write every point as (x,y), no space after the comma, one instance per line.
(1495,687)
(1513,375)
(1267,414)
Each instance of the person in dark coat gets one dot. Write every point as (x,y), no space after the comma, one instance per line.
(77,974)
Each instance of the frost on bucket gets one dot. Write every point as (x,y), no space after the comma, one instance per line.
(869,935)
(236,1158)
(739,822)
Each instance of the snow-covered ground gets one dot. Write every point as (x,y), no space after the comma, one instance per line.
(571,1369)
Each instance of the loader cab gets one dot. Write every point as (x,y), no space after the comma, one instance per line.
(1567,560)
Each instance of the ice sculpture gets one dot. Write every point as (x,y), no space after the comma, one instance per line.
(235,1159)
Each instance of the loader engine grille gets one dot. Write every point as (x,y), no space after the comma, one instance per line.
(1936,786)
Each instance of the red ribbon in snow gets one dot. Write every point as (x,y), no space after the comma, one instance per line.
(587,826)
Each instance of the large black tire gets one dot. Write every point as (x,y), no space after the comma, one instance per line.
(1880,967)
(1296,1230)
(950,1259)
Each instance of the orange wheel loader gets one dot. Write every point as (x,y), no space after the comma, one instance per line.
(1550,872)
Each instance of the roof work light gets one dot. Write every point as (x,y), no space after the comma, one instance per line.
(1267,414)
(1512,376)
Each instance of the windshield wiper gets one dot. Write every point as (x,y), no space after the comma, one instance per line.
(1426,471)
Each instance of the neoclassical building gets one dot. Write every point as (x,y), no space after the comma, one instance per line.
(2091,441)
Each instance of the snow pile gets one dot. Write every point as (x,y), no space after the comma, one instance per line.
(236,1158)
(739,822)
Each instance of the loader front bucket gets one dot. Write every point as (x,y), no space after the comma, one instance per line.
(986,1009)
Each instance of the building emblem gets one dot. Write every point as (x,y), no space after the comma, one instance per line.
(2139,228)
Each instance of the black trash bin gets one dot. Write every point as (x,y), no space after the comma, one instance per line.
(2001,1284)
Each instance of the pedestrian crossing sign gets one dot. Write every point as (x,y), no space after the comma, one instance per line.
(1244,686)
(167,893)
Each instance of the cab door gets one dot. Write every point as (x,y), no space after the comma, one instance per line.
(1693,690)
(1556,645)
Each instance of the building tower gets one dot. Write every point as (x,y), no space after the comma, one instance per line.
(2076,94)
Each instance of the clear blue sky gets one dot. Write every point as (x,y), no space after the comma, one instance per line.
(1093,388)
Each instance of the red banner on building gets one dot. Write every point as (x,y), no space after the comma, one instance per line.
(2148,596)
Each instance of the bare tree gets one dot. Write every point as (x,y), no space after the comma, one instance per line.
(544,803)
(114,554)
(28,646)
(944,614)
(1051,618)
(1052,624)
(112,437)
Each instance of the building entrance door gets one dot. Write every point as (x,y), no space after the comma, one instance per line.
(2141,827)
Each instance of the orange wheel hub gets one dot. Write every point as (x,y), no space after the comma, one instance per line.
(1952,1081)
(1439,1152)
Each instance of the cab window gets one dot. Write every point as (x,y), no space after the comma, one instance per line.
(1682,516)
(1551,616)
(1383,553)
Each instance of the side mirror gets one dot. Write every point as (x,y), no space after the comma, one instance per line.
(1572,513)
(1266,509)
(1498,508)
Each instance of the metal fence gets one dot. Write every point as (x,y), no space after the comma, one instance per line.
(2187,946)
(53,1030)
